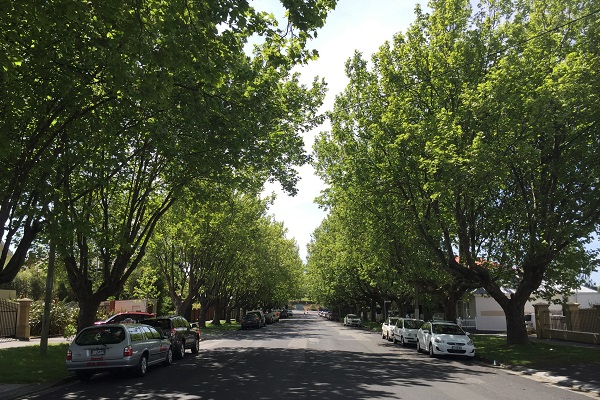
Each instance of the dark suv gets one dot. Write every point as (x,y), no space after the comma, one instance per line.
(179,332)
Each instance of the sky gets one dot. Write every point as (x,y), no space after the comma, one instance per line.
(355,25)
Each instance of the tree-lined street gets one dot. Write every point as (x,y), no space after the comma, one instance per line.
(307,357)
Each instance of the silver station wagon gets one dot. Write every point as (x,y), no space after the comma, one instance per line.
(118,348)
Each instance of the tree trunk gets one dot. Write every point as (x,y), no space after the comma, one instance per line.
(88,307)
(217,316)
(516,331)
(202,317)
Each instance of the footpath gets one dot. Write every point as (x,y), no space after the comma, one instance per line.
(584,377)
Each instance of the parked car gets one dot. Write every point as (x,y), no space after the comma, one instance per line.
(131,316)
(270,317)
(444,338)
(250,321)
(352,320)
(179,332)
(261,316)
(283,314)
(387,328)
(290,312)
(331,316)
(405,330)
(117,348)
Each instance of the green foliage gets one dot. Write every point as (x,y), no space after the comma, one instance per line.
(29,282)
(472,136)
(63,317)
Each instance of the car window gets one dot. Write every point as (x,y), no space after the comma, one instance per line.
(135,333)
(100,335)
(150,332)
(449,330)
(412,324)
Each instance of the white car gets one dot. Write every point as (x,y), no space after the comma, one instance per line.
(352,320)
(405,330)
(444,338)
(387,328)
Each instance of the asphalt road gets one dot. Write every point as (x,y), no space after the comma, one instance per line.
(307,357)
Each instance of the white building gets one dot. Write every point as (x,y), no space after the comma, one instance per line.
(482,312)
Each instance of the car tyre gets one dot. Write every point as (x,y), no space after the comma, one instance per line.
(142,367)
(169,357)
(196,346)
(418,347)
(83,375)
(431,353)
(402,342)
(394,339)
(181,352)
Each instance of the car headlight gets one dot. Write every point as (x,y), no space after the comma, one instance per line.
(438,340)
(470,342)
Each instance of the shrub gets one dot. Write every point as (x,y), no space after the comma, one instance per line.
(61,316)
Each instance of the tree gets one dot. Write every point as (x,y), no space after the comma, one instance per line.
(111,109)
(484,128)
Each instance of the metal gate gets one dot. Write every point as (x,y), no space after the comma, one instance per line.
(8,319)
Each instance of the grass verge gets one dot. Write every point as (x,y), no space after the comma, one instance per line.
(537,354)
(232,326)
(26,365)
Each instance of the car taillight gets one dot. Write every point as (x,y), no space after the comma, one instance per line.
(127,351)
(69,355)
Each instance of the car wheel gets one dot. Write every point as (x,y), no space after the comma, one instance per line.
(180,350)
(418,347)
(83,375)
(394,339)
(431,353)
(196,346)
(169,357)
(140,369)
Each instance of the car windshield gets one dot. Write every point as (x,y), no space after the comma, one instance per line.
(448,330)
(412,324)
(100,335)
(351,316)
(393,321)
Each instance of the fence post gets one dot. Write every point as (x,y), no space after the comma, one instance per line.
(542,319)
(23,330)
(571,311)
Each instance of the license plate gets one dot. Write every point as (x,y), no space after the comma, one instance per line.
(456,347)
(97,352)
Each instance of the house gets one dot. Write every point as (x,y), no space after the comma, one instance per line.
(483,313)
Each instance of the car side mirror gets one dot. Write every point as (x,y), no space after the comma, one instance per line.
(468,333)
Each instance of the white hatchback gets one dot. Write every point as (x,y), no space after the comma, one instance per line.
(444,338)
(405,330)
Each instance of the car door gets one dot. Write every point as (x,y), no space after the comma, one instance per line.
(425,333)
(190,337)
(153,344)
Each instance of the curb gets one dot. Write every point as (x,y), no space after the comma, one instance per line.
(545,375)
